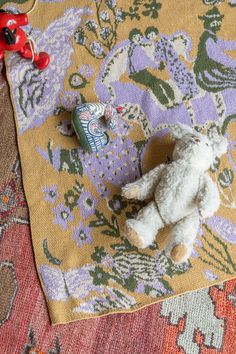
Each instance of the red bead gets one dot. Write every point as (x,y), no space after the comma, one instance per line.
(43,61)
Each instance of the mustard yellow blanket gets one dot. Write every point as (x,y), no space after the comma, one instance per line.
(163,62)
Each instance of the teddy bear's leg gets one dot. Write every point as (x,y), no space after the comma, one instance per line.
(141,232)
(182,238)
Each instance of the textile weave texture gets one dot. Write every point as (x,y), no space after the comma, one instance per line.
(163,62)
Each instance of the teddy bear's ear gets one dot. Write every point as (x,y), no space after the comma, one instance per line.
(179,130)
(219,142)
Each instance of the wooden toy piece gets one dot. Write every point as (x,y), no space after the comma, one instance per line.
(89,128)
(14,39)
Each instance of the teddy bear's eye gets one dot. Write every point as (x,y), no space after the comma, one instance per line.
(207,144)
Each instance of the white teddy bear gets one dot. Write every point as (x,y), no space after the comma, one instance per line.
(183,193)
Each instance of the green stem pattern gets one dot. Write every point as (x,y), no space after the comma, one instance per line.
(217,239)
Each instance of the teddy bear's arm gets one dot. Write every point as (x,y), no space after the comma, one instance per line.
(208,197)
(144,187)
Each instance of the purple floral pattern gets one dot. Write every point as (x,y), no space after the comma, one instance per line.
(63,216)
(224,228)
(107,165)
(111,163)
(87,204)
(210,275)
(51,194)
(70,100)
(75,283)
(37,93)
(82,235)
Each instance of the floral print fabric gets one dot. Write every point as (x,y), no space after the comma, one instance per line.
(98,48)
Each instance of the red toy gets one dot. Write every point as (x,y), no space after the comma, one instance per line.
(14,39)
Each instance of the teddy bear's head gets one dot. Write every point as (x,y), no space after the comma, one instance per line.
(195,148)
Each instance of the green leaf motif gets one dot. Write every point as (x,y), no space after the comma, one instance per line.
(48,255)
(109,233)
(72,196)
(130,283)
(227,122)
(70,162)
(226,178)
(164,285)
(113,227)
(133,13)
(77,81)
(99,276)
(117,204)
(78,187)
(152,9)
(104,38)
(100,221)
(124,247)
(71,199)
(99,254)
(215,253)
(170,268)
(31,90)
(69,159)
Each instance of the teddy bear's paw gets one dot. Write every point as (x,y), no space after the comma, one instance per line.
(130,192)
(178,253)
(133,237)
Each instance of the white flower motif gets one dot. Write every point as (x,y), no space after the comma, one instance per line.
(104,15)
(110,3)
(105,32)
(119,16)
(76,80)
(91,25)
(97,48)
